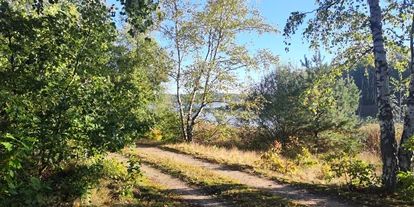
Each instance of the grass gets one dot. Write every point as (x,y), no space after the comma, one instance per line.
(146,193)
(247,161)
(112,190)
(251,161)
(215,184)
(372,134)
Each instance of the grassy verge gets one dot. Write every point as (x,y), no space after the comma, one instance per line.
(215,184)
(137,190)
(247,162)
(146,193)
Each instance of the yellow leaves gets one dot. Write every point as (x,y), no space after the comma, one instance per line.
(154,134)
(53,9)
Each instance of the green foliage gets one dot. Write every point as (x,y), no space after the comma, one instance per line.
(406,189)
(357,173)
(123,179)
(331,103)
(343,29)
(409,144)
(282,109)
(306,103)
(203,42)
(64,94)
(166,123)
(138,14)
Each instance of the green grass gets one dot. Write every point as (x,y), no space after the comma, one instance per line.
(215,184)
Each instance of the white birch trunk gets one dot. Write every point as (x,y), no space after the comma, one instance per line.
(404,156)
(388,142)
(177,45)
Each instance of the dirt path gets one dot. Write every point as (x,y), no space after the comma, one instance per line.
(189,194)
(299,196)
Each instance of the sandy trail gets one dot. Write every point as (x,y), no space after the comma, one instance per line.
(190,194)
(300,196)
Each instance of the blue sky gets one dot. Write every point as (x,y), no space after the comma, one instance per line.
(275,12)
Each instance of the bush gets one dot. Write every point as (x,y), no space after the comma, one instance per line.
(165,120)
(298,153)
(73,99)
(406,190)
(273,161)
(287,158)
(122,178)
(357,173)
(306,103)
(154,134)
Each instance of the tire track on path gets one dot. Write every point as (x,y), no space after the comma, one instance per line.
(300,196)
(190,194)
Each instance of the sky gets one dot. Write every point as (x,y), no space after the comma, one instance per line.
(275,12)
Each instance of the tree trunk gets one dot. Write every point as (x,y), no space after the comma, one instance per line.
(179,62)
(404,156)
(388,142)
(190,132)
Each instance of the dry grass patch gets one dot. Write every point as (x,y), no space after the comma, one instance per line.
(372,134)
(231,156)
(251,162)
(311,178)
(217,185)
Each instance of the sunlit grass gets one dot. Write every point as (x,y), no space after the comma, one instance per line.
(249,161)
(145,191)
(215,184)
(309,178)
(220,154)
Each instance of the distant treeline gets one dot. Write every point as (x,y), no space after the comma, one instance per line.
(216,97)
(364,77)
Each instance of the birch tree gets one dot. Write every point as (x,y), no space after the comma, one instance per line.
(203,42)
(388,142)
(405,155)
(352,30)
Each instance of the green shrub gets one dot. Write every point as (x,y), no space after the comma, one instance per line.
(274,161)
(165,120)
(357,173)
(123,178)
(406,190)
(306,103)
(297,152)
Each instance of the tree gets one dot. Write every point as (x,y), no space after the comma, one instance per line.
(404,154)
(60,99)
(388,142)
(281,90)
(354,29)
(202,39)
(303,104)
